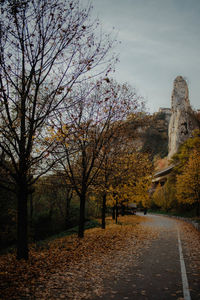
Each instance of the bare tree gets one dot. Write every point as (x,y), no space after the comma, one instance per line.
(86,130)
(46,47)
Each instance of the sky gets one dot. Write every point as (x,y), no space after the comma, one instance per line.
(160,39)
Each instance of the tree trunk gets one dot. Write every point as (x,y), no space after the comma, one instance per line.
(67,208)
(22,223)
(30,215)
(82,215)
(31,210)
(116,213)
(103,223)
(122,210)
(113,213)
(198,209)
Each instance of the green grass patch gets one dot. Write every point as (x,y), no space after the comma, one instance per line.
(74,230)
(44,244)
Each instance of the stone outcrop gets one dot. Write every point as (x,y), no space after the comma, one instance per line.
(182,121)
(166,112)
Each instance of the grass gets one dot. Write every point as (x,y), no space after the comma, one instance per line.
(44,244)
(74,230)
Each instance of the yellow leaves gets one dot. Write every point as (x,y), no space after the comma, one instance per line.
(157,196)
(110,200)
(191,144)
(65,129)
(58,134)
(110,189)
(188,183)
(164,196)
(50,129)
(131,179)
(92,198)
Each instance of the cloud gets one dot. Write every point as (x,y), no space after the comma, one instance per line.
(159,40)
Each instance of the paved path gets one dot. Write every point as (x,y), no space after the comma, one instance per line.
(161,273)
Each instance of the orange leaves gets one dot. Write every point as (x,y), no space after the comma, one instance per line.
(181,158)
(188,183)
(64,264)
(107,79)
(130,179)
(141,190)
(161,163)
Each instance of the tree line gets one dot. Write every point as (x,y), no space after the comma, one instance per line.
(181,192)
(67,129)
(59,110)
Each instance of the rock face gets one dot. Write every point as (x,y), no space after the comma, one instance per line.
(182,122)
(167,113)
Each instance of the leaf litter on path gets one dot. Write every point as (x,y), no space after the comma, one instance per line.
(73,268)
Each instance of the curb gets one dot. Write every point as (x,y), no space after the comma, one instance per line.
(193,223)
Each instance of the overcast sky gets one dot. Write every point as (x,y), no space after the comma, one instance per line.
(160,39)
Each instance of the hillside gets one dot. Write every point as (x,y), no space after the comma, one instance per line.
(155,136)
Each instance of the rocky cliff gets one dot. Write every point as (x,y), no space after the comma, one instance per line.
(182,121)
(155,135)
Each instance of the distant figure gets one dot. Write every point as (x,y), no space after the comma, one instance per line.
(145,211)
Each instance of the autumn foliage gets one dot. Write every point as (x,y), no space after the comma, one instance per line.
(188,182)
(47,49)
(72,264)
(181,189)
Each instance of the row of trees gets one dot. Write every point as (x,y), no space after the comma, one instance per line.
(90,135)
(58,108)
(182,189)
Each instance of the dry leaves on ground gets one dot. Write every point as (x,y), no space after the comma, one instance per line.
(190,238)
(191,242)
(72,268)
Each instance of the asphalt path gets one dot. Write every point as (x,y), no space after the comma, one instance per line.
(162,271)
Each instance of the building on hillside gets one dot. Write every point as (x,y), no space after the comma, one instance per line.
(160,177)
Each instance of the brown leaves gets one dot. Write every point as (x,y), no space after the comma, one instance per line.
(107,79)
(74,267)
